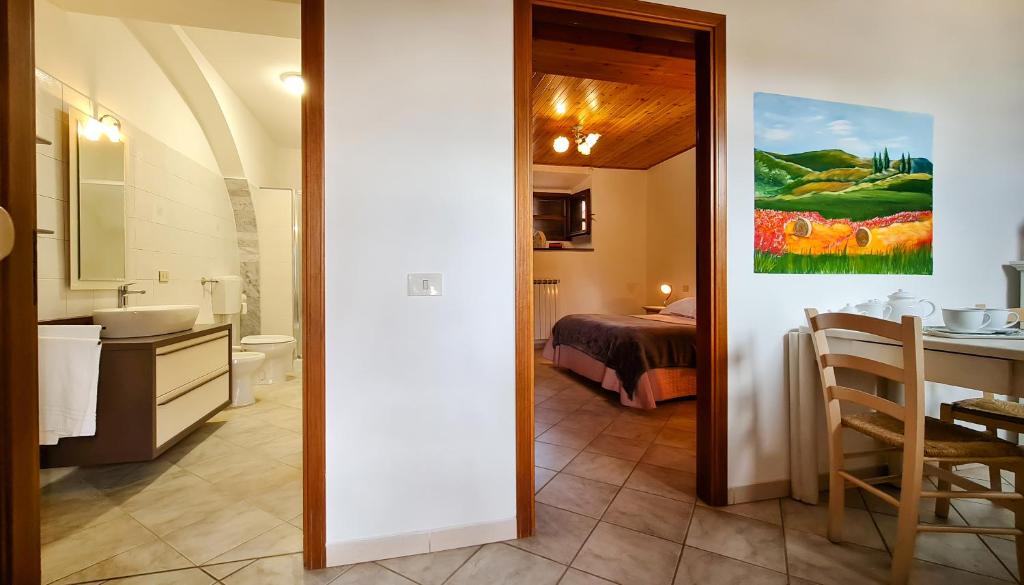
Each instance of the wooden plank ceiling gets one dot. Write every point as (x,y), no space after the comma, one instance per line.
(633,84)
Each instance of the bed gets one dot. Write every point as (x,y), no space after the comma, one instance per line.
(644,358)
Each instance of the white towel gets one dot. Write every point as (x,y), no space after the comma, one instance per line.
(69,370)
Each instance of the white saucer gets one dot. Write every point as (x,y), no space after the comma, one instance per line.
(946,332)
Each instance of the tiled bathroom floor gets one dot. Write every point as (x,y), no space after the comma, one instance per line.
(615,504)
(230,492)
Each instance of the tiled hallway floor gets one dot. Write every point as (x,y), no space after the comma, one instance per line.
(615,504)
(229,492)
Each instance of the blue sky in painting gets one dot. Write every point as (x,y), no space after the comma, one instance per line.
(788,125)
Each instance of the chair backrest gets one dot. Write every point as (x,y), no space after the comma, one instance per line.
(910,374)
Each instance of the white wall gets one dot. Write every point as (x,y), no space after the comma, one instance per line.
(963,68)
(672,227)
(420,390)
(179,216)
(274,226)
(426,150)
(99,57)
(611,278)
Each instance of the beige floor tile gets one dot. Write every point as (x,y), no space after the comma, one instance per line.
(559,534)
(662,481)
(283,501)
(600,467)
(296,521)
(629,449)
(293,460)
(1006,551)
(185,577)
(625,556)
(763,510)
(283,445)
(631,430)
(961,551)
(700,567)
(224,569)
(169,489)
(220,532)
(655,515)
(665,456)
(91,545)
(144,558)
(431,568)
(500,564)
(568,437)
(926,507)
(112,477)
(577,494)
(371,574)
(577,577)
(741,538)
(552,457)
(816,559)
(858,527)
(182,508)
(280,540)
(541,477)
(200,447)
(289,419)
(983,514)
(69,505)
(286,570)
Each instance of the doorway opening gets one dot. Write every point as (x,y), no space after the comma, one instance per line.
(599,89)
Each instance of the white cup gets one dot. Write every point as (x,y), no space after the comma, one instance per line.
(965,320)
(1001,319)
(875,308)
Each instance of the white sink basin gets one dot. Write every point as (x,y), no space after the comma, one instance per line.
(145,321)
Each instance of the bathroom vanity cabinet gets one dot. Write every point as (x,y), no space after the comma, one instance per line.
(153,392)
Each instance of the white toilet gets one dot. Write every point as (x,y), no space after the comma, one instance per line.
(279,350)
(244,365)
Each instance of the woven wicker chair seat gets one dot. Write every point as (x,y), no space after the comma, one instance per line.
(1003,410)
(942,439)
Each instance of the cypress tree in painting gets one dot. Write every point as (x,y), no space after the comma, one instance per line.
(886,161)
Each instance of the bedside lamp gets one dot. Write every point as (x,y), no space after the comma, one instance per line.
(666,289)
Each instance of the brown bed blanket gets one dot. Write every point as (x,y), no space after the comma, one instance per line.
(630,345)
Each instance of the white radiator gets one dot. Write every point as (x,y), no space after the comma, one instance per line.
(545,308)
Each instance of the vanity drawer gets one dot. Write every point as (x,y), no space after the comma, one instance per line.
(183,363)
(183,410)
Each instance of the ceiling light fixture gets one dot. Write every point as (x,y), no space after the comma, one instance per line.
(107,125)
(561,144)
(584,142)
(293,83)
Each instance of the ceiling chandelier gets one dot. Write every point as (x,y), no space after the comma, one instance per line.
(583,142)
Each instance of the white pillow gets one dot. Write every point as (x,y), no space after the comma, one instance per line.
(683,307)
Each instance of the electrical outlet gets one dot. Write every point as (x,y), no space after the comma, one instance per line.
(686,288)
(163,275)
(424,284)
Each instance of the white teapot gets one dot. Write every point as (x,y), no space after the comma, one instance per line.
(903,303)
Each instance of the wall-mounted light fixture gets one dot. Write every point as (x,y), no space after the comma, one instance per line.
(107,125)
(293,83)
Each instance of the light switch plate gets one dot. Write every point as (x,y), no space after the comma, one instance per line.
(424,284)
(163,275)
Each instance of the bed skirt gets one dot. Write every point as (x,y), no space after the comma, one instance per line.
(654,385)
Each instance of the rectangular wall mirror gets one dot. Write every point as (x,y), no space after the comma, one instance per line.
(97,194)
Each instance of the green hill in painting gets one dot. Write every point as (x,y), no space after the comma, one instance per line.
(838,185)
(771,173)
(823,160)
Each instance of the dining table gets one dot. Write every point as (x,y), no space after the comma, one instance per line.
(993,364)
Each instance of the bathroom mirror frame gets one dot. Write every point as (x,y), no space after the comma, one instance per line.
(75,282)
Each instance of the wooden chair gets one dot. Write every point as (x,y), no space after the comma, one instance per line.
(923,441)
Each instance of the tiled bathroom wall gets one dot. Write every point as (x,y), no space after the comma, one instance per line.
(179,215)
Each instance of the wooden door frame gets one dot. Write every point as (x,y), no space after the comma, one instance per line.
(314,382)
(19,395)
(712,402)
(19,440)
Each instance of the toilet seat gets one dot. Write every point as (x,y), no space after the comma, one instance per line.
(241,357)
(266,339)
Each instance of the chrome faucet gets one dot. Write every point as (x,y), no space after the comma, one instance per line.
(123,292)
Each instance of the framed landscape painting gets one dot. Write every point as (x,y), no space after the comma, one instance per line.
(841,188)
